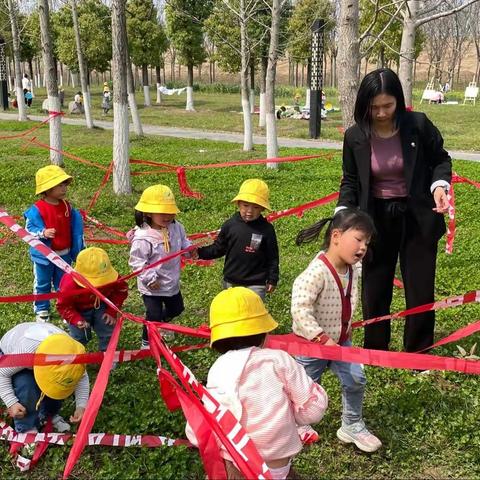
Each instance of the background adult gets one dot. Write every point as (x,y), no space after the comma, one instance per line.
(396,169)
(27,90)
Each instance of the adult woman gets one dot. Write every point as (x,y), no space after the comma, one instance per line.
(396,169)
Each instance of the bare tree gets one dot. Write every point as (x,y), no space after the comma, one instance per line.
(414,16)
(13,16)
(121,171)
(51,80)
(348,58)
(132,102)
(81,67)
(474,11)
(270,117)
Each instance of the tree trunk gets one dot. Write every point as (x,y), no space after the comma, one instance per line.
(252,87)
(263,74)
(348,58)
(271,120)
(189,106)
(22,107)
(137,124)
(244,81)
(51,79)
(407,50)
(146,88)
(81,67)
(121,170)
(158,75)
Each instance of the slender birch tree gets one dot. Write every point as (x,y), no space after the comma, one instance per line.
(13,16)
(81,67)
(121,170)
(50,71)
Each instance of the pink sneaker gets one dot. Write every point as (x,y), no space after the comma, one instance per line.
(307,434)
(358,434)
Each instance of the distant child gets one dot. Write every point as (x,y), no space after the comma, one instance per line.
(266,390)
(156,236)
(85,311)
(31,395)
(52,220)
(106,98)
(323,300)
(248,242)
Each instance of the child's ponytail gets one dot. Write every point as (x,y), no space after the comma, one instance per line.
(311,233)
(343,220)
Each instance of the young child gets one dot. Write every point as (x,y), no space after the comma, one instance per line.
(85,311)
(248,242)
(106,98)
(323,300)
(266,390)
(156,236)
(33,395)
(53,220)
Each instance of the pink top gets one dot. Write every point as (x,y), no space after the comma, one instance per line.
(270,394)
(277,395)
(388,180)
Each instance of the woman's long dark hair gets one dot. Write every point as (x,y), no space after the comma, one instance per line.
(375,83)
(343,220)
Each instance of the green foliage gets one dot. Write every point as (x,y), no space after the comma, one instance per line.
(185,19)
(427,423)
(146,37)
(300,26)
(29,39)
(95,33)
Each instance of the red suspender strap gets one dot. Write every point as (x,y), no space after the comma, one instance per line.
(345,297)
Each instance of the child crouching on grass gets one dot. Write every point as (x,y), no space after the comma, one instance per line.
(85,311)
(323,300)
(266,390)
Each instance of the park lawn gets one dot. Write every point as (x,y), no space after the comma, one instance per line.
(428,423)
(222,112)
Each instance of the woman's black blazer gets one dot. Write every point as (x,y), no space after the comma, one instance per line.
(425,161)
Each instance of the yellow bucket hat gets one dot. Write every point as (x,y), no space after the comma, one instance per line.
(49,177)
(59,381)
(238,312)
(94,264)
(157,199)
(255,191)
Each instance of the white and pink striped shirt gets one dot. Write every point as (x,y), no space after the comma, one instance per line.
(273,395)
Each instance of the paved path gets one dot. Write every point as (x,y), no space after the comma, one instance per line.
(227,137)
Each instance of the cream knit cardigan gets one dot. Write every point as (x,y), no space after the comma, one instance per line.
(316,301)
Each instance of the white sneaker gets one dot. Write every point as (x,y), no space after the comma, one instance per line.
(60,425)
(42,316)
(358,434)
(145,345)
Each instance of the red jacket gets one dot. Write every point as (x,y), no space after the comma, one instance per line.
(71,307)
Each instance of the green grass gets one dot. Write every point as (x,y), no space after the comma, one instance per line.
(428,424)
(222,112)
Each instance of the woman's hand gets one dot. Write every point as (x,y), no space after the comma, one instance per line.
(441,200)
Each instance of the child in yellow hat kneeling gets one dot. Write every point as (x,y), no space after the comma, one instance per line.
(85,311)
(266,390)
(157,235)
(248,242)
(57,224)
(32,395)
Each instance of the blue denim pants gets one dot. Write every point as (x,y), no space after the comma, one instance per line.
(352,380)
(28,393)
(94,317)
(43,278)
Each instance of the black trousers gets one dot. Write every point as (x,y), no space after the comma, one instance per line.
(161,309)
(398,236)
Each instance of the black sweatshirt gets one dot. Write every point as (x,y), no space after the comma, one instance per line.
(250,249)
